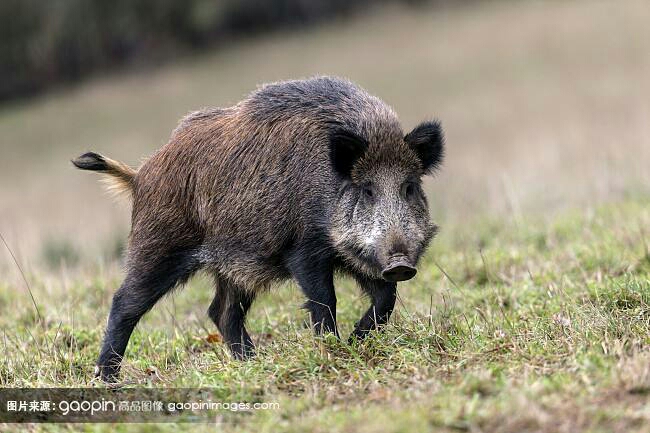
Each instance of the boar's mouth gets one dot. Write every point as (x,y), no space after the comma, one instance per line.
(399,268)
(369,261)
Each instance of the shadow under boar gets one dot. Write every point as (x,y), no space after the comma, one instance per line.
(298,180)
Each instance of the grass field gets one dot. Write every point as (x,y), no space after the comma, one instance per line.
(534,327)
(531,311)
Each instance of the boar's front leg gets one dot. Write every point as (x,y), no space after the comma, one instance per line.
(382,294)
(228,311)
(315,276)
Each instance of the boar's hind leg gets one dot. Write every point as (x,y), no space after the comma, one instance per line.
(146,282)
(315,276)
(383,295)
(228,311)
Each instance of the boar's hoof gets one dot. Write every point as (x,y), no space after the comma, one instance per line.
(107,374)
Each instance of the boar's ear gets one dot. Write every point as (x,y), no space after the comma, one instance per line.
(346,148)
(428,142)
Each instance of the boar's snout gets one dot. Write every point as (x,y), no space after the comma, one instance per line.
(399,269)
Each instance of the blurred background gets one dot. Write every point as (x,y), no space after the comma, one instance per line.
(546,105)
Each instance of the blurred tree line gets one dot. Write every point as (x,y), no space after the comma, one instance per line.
(43,42)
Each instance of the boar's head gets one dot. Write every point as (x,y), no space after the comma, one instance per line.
(380,220)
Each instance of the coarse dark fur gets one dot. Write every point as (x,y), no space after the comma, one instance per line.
(299,180)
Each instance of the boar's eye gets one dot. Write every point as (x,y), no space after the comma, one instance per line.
(409,190)
(367,191)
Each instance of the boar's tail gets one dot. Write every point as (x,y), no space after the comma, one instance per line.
(119,176)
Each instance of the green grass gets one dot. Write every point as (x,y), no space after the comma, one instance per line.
(536,326)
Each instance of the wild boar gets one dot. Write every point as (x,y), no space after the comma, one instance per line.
(299,180)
